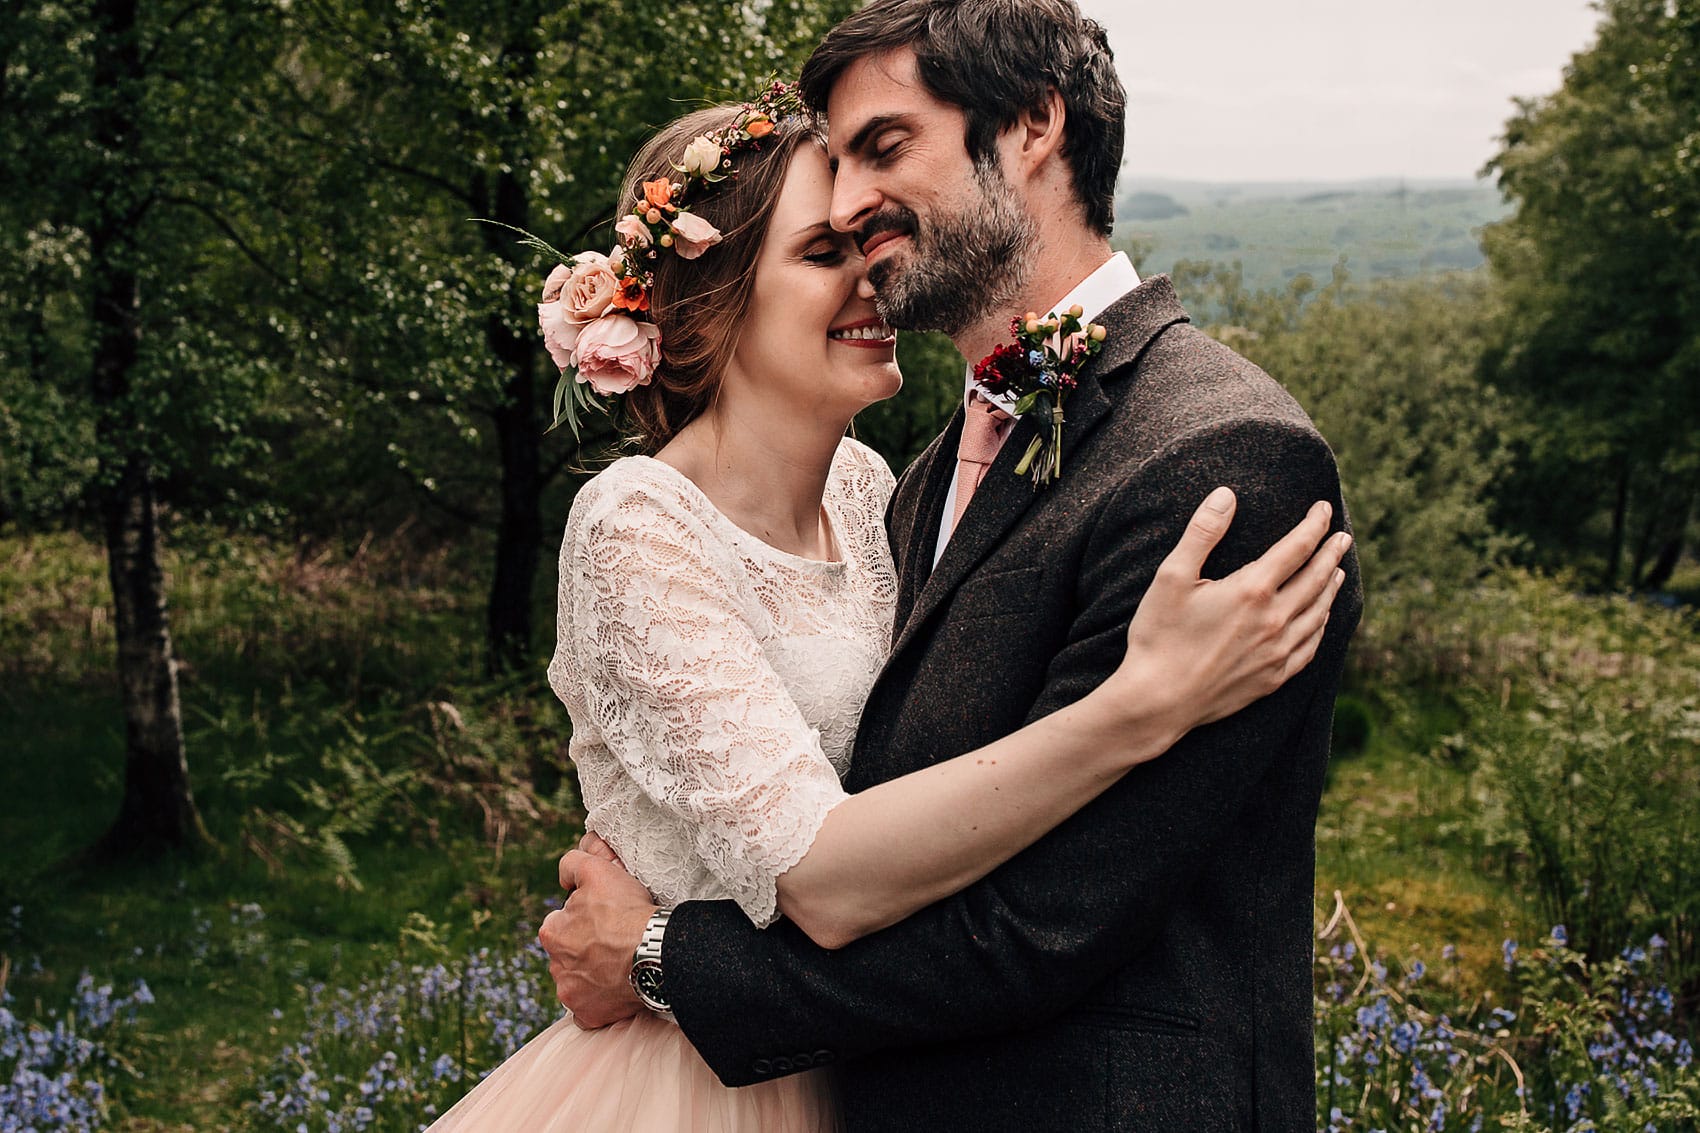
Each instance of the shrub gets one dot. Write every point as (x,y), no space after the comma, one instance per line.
(1593,747)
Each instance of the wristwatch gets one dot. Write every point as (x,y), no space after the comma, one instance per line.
(646,965)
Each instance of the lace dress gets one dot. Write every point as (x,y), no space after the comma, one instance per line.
(714,684)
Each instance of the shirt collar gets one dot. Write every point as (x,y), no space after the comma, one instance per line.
(1114,278)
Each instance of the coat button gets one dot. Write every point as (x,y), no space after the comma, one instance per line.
(782,1065)
(804,1060)
(762,1066)
(822,1057)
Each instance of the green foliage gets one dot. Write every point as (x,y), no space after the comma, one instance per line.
(1390,375)
(1599,337)
(199,397)
(1595,750)
(1354,724)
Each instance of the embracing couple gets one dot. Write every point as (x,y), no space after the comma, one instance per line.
(981,799)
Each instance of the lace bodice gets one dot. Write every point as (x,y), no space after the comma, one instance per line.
(715,682)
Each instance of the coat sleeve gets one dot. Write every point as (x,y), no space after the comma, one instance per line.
(1031,938)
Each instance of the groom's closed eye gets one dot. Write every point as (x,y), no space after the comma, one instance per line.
(871,140)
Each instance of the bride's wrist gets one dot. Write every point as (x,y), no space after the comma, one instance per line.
(1142,716)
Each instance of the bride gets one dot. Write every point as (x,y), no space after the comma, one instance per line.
(726,603)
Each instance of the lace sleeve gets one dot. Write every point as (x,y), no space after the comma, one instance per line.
(677,684)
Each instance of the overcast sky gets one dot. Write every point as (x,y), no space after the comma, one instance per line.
(1278,90)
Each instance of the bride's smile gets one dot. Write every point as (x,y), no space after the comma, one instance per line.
(812,350)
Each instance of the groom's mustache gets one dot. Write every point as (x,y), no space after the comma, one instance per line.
(893,219)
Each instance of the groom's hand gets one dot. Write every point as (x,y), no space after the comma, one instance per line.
(591,939)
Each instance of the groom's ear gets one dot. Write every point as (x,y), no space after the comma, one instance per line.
(1036,136)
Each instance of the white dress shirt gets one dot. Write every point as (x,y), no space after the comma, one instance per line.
(1113,279)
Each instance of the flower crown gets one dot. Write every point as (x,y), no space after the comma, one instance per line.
(595,311)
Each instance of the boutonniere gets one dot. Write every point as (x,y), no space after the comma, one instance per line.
(1039,370)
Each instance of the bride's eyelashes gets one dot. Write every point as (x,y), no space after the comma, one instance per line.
(827,255)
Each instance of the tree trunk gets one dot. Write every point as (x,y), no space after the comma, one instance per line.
(158,810)
(1670,551)
(1619,516)
(519,534)
(1649,531)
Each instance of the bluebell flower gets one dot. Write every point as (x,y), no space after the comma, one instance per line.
(1573,1099)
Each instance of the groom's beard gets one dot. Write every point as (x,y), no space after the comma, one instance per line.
(959,268)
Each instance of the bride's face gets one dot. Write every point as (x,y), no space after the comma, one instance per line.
(813,349)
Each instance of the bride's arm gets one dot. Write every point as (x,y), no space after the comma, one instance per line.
(1198,650)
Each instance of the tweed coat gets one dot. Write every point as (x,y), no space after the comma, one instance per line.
(1147,965)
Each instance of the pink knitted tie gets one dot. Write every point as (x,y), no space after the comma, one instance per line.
(983,431)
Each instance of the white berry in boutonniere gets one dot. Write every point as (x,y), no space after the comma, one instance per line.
(1039,369)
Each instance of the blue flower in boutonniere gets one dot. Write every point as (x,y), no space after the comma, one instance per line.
(1039,369)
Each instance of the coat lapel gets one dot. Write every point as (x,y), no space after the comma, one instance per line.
(915,536)
(1134,321)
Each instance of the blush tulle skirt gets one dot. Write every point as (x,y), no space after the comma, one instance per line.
(640,1075)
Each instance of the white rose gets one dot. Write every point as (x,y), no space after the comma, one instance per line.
(702,157)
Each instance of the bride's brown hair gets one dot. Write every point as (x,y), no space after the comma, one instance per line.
(700,304)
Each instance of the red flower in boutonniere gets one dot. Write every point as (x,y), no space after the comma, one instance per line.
(1039,369)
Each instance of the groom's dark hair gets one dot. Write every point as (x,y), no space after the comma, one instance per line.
(994,59)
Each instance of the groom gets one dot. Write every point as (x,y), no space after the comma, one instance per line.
(1146,966)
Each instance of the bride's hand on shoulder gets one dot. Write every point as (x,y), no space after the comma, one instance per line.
(1212,647)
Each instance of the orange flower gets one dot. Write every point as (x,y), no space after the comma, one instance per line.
(658,192)
(632,295)
(758,127)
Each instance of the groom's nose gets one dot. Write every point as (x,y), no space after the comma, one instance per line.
(855,197)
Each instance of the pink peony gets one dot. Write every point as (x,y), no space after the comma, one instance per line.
(616,353)
(692,235)
(558,276)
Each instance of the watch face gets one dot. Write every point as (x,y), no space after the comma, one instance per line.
(646,981)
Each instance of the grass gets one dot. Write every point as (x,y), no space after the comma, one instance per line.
(1399,836)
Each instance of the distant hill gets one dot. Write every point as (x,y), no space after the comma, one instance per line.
(1149,206)
(1277,230)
